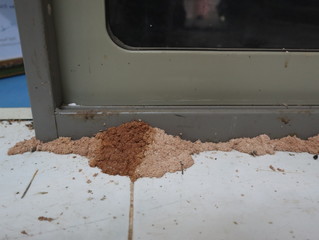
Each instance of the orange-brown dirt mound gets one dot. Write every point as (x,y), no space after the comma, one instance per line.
(136,149)
(121,149)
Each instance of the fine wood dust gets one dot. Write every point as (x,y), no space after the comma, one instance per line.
(121,149)
(136,149)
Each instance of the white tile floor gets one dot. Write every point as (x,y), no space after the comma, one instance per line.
(223,196)
(61,191)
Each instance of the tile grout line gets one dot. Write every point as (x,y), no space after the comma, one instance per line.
(131,213)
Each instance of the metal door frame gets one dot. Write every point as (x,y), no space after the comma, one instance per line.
(215,123)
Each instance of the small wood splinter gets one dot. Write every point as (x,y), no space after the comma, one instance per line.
(182,167)
(26,190)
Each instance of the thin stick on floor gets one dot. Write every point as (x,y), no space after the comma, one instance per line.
(26,190)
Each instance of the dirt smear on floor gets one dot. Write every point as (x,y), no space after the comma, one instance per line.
(136,149)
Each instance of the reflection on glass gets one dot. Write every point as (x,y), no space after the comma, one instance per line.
(222,24)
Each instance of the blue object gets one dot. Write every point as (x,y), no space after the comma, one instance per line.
(14,92)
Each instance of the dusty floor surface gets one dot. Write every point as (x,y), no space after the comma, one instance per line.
(223,194)
(136,149)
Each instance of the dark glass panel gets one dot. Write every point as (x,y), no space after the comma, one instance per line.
(221,24)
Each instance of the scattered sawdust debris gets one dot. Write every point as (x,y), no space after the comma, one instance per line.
(272,168)
(43,193)
(30,126)
(103,198)
(137,150)
(41,218)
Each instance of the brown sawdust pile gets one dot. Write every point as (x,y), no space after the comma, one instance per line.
(136,149)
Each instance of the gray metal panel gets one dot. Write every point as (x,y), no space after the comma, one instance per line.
(205,123)
(40,58)
(97,72)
